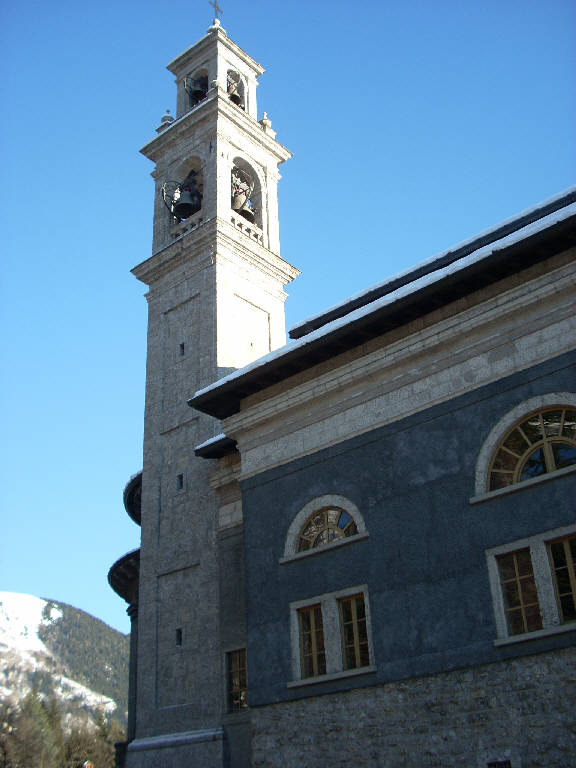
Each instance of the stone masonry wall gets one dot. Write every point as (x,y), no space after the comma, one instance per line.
(521,710)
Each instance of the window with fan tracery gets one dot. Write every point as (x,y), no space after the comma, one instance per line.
(543,442)
(324,526)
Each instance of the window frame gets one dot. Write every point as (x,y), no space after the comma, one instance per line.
(543,578)
(332,634)
(316,629)
(498,434)
(229,658)
(321,502)
(355,622)
(571,572)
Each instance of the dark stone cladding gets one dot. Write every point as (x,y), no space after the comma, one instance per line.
(424,561)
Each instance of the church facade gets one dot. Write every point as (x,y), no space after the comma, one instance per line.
(358,548)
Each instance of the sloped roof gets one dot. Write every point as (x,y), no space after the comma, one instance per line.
(527,239)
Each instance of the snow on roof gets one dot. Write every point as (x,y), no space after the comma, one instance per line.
(211,441)
(414,286)
(454,253)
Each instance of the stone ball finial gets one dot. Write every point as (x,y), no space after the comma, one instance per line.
(216,25)
(266,122)
(165,121)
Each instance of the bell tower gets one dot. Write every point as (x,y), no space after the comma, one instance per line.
(215,303)
(216,193)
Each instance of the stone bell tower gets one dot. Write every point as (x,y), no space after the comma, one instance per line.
(216,302)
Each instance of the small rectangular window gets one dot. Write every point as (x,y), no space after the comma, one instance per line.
(563,562)
(179,636)
(179,482)
(182,349)
(519,592)
(312,653)
(237,681)
(499,764)
(355,650)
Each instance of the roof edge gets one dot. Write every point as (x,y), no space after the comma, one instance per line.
(507,227)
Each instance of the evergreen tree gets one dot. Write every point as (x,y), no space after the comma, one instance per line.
(34,741)
(33,737)
(80,745)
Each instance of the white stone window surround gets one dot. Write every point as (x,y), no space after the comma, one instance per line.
(490,445)
(328,500)
(332,637)
(543,577)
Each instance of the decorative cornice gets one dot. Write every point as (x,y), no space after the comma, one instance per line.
(381,385)
(552,237)
(215,35)
(256,255)
(198,248)
(172,135)
(216,106)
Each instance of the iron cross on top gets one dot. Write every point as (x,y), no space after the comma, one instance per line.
(217,10)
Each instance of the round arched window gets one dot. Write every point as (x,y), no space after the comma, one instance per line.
(543,442)
(325,525)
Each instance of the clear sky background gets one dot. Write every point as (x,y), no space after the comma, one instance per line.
(414,125)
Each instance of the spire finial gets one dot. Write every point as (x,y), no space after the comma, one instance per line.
(217,11)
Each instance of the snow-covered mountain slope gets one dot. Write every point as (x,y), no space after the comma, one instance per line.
(65,654)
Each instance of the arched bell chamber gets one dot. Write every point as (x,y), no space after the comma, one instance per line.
(242,188)
(183,199)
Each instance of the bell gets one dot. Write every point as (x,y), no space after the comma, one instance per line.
(248,214)
(186,202)
(196,88)
(239,199)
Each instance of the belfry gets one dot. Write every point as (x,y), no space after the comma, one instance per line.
(358,549)
(216,302)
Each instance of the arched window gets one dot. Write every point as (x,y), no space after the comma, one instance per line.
(325,525)
(183,195)
(196,86)
(235,88)
(541,442)
(246,191)
(326,521)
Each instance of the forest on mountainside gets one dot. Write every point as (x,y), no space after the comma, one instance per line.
(93,653)
(34,734)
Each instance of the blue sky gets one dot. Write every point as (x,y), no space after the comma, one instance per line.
(414,125)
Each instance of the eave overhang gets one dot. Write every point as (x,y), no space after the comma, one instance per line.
(451,256)
(477,270)
(204,47)
(216,448)
(215,105)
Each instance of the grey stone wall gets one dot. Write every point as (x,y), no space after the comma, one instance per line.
(520,710)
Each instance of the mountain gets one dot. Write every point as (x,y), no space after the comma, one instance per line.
(63,653)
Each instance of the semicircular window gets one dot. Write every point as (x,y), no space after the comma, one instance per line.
(543,442)
(324,526)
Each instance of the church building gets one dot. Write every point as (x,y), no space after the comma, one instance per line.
(358,548)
